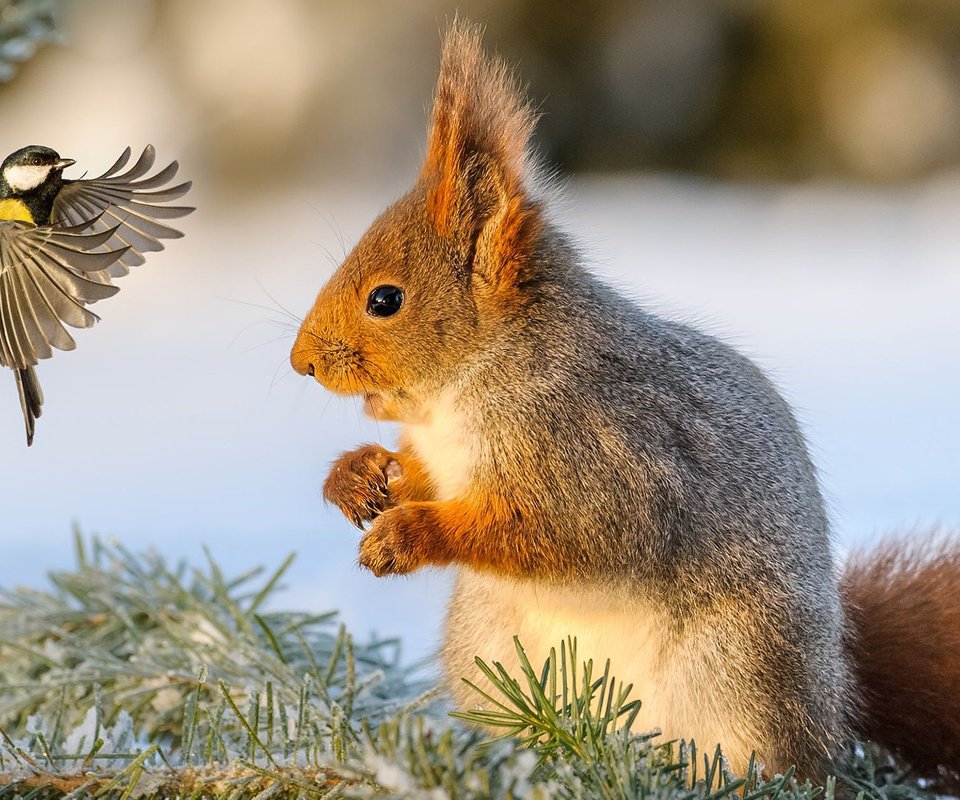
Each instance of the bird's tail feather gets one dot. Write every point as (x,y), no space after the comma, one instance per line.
(31,399)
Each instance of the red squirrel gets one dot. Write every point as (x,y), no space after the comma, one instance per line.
(590,469)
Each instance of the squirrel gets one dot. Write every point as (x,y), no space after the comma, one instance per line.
(593,470)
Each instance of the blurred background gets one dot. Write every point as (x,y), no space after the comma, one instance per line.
(783,173)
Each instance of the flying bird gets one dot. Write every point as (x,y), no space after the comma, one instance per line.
(61,244)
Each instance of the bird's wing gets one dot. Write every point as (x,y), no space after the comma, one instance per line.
(47,277)
(129,202)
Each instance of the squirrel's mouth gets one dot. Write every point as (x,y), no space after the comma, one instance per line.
(373,405)
(379,407)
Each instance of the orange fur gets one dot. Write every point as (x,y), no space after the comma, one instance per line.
(471,213)
(365,482)
(485,533)
(414,484)
(478,109)
(508,245)
(903,604)
(477,169)
(338,343)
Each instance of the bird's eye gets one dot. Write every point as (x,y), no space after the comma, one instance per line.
(36,161)
(384,301)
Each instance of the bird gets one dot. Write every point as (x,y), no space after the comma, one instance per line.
(62,242)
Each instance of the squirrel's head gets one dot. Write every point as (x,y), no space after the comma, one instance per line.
(437,271)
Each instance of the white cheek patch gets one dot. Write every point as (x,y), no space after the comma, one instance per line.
(24,178)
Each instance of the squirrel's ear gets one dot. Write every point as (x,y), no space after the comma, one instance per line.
(478,166)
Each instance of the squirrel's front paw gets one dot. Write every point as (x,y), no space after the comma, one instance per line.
(358,483)
(394,544)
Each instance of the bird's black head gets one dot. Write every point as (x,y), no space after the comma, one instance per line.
(33,176)
(30,168)
(34,155)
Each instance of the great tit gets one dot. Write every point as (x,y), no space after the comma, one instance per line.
(61,242)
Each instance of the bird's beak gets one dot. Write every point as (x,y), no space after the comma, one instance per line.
(63,163)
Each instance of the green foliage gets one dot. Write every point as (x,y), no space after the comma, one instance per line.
(579,727)
(24,24)
(128,633)
(131,678)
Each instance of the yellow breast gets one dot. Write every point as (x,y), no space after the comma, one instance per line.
(13,209)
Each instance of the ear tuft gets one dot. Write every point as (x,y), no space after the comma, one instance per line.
(482,123)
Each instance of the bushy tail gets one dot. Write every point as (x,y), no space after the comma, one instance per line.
(903,603)
(31,399)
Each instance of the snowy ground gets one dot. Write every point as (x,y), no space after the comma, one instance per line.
(178,423)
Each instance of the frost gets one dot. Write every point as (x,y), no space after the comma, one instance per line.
(117,738)
(389,774)
(204,633)
(166,700)
(82,737)
(148,785)
(518,772)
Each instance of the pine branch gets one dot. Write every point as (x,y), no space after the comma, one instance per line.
(157,784)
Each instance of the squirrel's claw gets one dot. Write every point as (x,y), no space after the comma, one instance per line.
(388,547)
(358,483)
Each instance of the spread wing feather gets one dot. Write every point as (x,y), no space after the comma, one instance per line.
(128,202)
(47,277)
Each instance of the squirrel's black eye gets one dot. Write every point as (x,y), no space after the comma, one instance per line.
(385,301)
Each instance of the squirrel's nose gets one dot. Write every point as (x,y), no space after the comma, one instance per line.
(304,367)
(302,360)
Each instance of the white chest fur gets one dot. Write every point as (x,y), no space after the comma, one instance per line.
(673,673)
(444,443)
